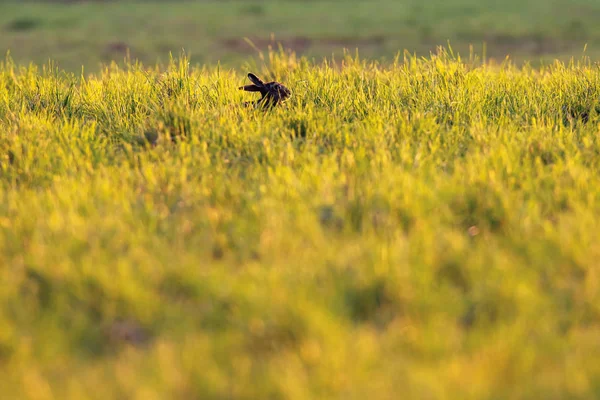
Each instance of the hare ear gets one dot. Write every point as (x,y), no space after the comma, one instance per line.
(250,88)
(255,79)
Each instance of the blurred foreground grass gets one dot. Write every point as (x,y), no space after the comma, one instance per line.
(427,229)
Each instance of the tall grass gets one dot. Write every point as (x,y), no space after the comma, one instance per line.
(425,229)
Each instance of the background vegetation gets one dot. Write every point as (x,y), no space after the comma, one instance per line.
(425,229)
(88,33)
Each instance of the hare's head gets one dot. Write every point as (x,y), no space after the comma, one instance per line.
(272,92)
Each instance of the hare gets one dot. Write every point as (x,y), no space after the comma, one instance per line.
(272,93)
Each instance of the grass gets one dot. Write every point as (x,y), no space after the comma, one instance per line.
(427,228)
(90,33)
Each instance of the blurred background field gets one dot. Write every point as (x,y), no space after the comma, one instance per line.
(77,33)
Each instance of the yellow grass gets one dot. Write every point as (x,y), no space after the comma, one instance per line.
(426,229)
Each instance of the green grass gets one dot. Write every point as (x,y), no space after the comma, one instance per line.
(425,229)
(89,33)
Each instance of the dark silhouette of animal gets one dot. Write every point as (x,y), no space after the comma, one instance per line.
(272,93)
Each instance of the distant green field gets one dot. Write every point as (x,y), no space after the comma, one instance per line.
(427,229)
(90,33)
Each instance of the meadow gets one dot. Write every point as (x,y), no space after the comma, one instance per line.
(76,33)
(423,229)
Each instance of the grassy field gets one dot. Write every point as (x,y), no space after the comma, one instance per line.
(425,229)
(90,33)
